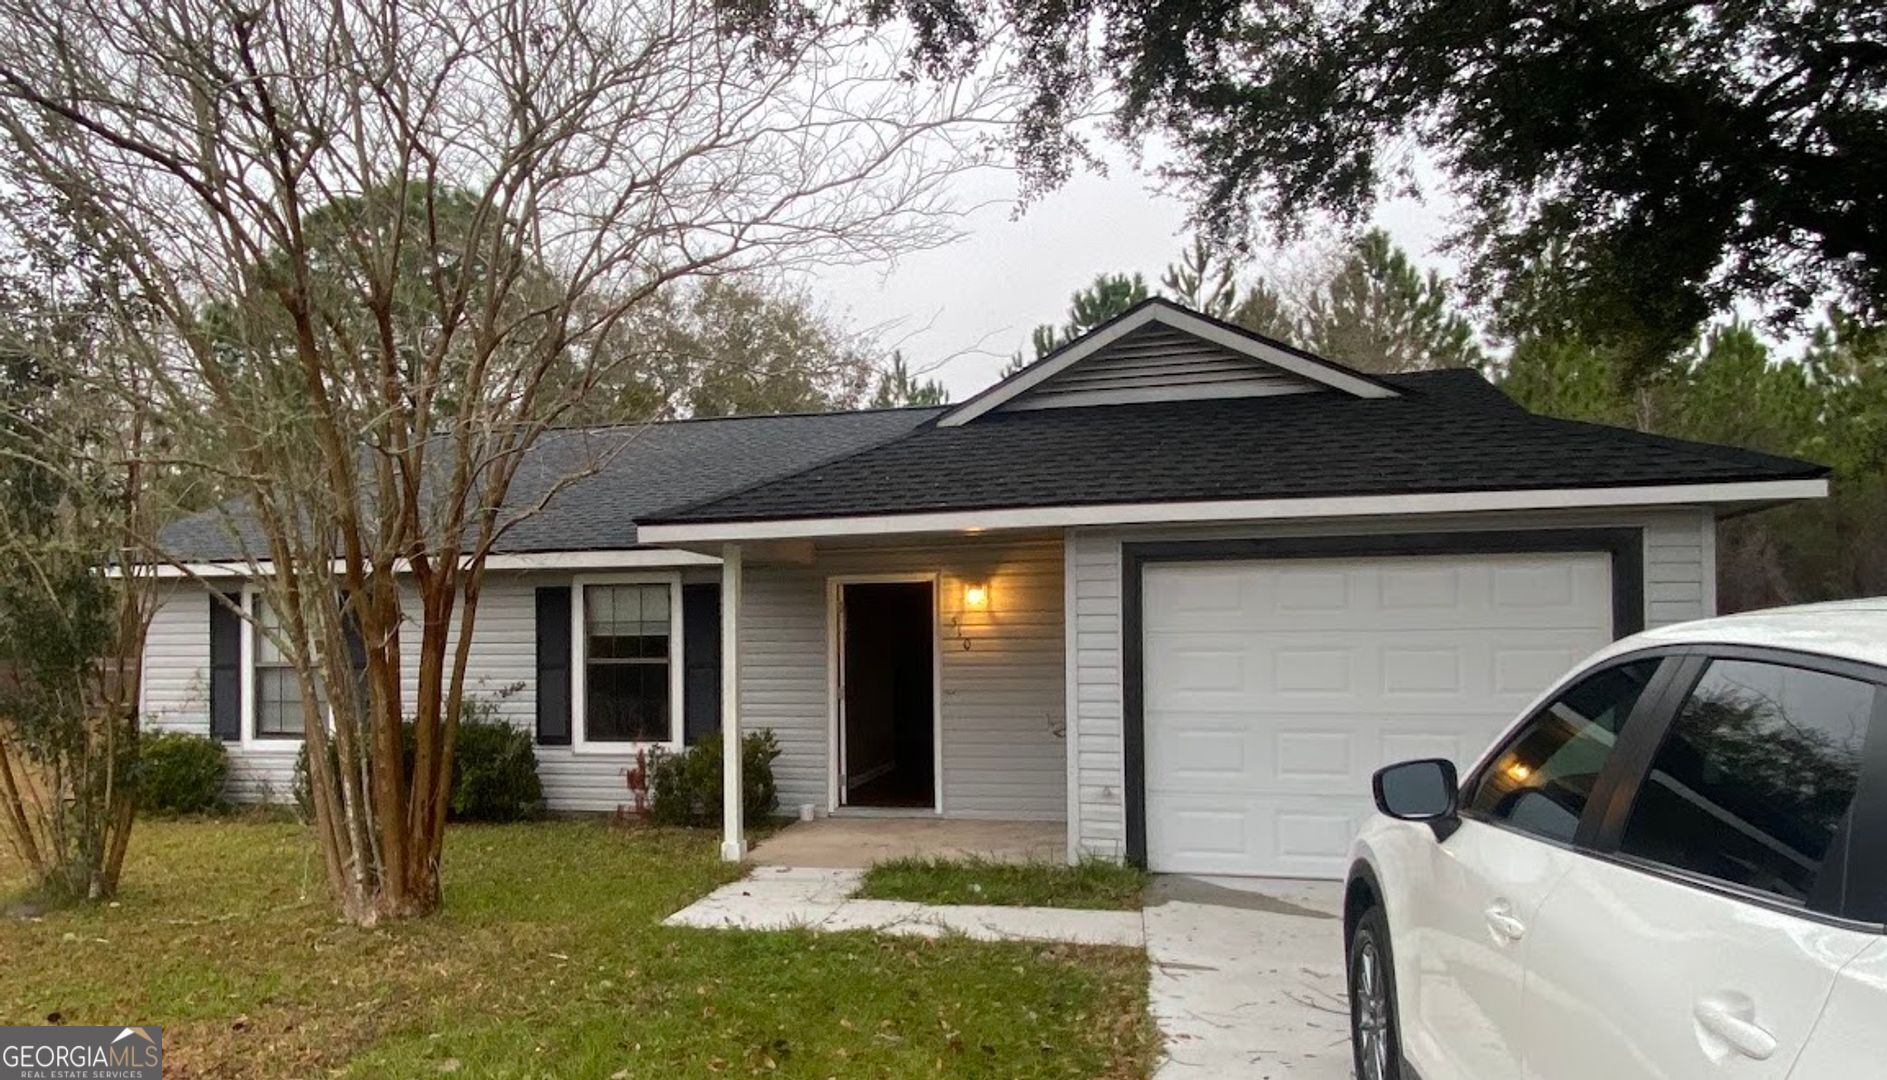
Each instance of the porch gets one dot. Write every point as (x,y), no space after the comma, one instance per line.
(915,687)
(858,842)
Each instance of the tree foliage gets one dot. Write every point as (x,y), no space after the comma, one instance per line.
(1828,404)
(897,387)
(732,345)
(1685,153)
(75,602)
(1367,306)
(1377,312)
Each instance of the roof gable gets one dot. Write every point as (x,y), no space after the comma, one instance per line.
(1159,351)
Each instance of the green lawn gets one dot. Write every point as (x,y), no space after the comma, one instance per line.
(548,961)
(1093,883)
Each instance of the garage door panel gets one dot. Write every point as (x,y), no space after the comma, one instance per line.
(1294,837)
(1271,691)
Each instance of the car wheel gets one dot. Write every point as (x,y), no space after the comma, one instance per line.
(1373,1034)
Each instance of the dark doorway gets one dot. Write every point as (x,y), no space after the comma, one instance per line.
(887,684)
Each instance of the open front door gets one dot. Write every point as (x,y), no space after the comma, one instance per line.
(887,694)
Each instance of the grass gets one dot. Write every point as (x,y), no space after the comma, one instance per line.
(548,960)
(1092,883)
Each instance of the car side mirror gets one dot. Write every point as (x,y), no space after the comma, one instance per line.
(1424,790)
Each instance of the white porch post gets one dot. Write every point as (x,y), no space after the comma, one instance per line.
(733,827)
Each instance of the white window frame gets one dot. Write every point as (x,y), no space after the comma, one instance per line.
(250,741)
(580,665)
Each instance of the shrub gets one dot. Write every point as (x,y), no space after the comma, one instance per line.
(686,786)
(494,768)
(180,773)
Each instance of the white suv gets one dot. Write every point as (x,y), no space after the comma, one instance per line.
(1674,865)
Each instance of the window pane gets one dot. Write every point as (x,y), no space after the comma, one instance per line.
(1754,777)
(626,703)
(1540,782)
(278,703)
(266,621)
(624,622)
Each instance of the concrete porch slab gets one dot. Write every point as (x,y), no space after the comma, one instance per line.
(858,842)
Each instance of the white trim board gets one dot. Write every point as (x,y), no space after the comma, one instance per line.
(1238,510)
(1178,318)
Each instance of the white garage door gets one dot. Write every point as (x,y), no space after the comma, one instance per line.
(1272,690)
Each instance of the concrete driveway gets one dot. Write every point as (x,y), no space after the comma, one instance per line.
(1247,978)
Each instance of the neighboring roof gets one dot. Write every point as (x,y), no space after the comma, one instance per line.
(1848,629)
(1444,431)
(1156,312)
(638,469)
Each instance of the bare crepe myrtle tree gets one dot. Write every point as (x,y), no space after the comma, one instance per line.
(391,244)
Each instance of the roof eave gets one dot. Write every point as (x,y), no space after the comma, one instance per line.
(1730,494)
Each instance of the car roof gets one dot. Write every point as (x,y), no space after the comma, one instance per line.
(1844,629)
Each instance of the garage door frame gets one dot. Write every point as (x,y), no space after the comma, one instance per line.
(1625,545)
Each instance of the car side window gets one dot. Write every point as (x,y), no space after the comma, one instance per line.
(1755,777)
(1541,780)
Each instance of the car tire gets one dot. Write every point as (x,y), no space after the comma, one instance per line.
(1374,1037)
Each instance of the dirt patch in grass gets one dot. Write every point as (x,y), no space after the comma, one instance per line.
(1093,883)
(549,960)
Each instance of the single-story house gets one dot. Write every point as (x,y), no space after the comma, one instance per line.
(1178,585)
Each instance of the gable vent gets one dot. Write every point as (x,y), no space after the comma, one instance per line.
(1159,363)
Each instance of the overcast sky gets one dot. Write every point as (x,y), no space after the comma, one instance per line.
(963,309)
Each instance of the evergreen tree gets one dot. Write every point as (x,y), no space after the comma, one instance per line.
(1203,281)
(1108,296)
(898,387)
(1379,313)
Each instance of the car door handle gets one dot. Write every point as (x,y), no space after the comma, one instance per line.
(1732,1020)
(1505,927)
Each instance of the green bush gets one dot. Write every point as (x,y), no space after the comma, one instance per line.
(180,773)
(685,787)
(494,768)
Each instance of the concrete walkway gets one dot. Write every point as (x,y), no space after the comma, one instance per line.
(1246,974)
(787,897)
(1247,978)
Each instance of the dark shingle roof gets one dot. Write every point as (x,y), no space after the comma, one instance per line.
(637,470)
(1449,431)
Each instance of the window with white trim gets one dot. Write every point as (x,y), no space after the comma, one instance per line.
(627,646)
(277,691)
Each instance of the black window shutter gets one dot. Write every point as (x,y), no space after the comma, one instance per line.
(225,670)
(553,665)
(701,660)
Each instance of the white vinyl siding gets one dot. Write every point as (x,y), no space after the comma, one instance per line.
(1679,563)
(1158,363)
(176,686)
(1001,671)
(502,668)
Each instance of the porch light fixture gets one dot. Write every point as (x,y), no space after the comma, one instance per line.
(976,597)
